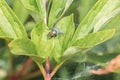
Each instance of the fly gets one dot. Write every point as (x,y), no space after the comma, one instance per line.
(54,32)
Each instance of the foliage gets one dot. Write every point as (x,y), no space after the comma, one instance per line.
(70,41)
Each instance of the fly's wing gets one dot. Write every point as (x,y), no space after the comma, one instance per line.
(58,30)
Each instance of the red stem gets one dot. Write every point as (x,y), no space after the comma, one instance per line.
(31,75)
(24,67)
(47,68)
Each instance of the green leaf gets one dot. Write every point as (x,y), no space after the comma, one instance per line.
(37,8)
(10,2)
(20,11)
(73,9)
(29,26)
(66,27)
(42,9)
(24,47)
(10,26)
(57,51)
(57,10)
(108,12)
(94,39)
(101,13)
(31,6)
(69,53)
(39,36)
(84,7)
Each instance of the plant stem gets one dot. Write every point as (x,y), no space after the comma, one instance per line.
(31,75)
(24,67)
(41,69)
(11,65)
(47,68)
(46,71)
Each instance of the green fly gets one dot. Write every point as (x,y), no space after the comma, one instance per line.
(54,32)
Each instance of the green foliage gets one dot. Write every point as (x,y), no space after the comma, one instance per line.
(93,38)
(70,41)
(20,47)
(20,11)
(32,8)
(40,39)
(57,11)
(67,28)
(10,26)
(97,16)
